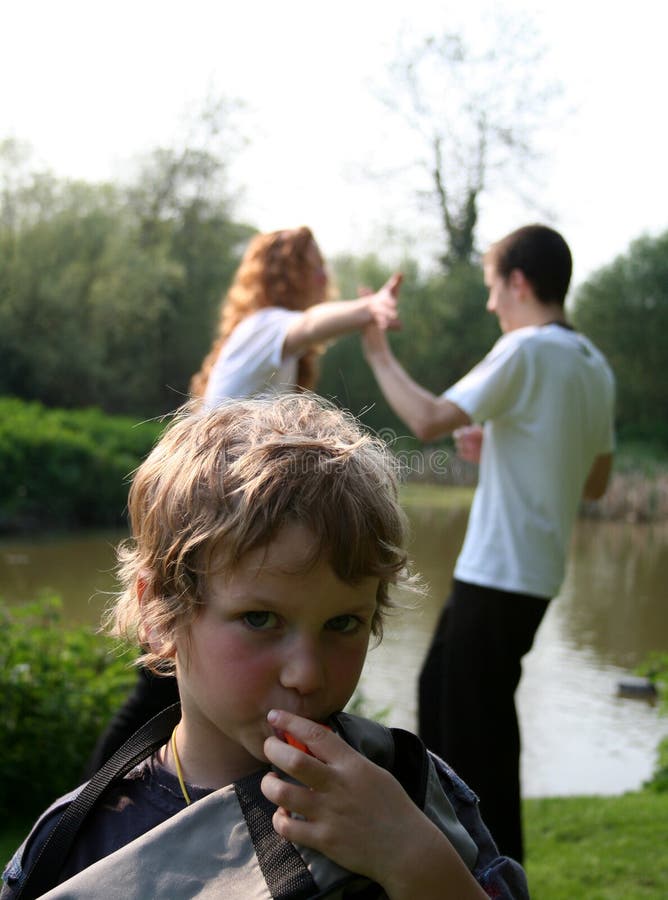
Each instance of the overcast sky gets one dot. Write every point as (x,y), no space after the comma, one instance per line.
(92,85)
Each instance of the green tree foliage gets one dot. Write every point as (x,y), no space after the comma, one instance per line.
(58,689)
(624,309)
(181,205)
(108,294)
(446,330)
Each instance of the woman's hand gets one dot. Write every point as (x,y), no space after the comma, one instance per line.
(383,304)
(331,319)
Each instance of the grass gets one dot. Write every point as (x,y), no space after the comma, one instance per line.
(436,496)
(578,848)
(598,848)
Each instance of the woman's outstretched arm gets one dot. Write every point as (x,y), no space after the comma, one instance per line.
(332,319)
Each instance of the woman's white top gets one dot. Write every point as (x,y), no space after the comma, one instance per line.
(251,359)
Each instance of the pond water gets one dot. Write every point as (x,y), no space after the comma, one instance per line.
(578,736)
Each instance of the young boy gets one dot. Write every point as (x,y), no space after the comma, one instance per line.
(266,534)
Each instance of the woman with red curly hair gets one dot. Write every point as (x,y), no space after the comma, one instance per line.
(276,316)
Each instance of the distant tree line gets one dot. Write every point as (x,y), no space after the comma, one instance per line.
(623,307)
(108,293)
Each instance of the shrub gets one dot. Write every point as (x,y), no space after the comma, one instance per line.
(65,468)
(59,686)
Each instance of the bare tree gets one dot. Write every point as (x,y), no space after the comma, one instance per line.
(476,112)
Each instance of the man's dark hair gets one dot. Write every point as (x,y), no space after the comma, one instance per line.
(541,254)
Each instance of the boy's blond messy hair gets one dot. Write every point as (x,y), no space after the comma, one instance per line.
(224,481)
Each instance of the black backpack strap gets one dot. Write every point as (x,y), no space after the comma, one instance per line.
(150,737)
(411,765)
(413,768)
(285,872)
(401,752)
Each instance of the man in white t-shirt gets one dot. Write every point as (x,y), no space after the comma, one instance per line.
(543,402)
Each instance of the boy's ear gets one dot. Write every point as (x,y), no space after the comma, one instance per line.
(150,635)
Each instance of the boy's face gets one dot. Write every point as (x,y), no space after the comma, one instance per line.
(271,636)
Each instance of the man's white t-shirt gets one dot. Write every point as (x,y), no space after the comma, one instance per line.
(545,395)
(251,359)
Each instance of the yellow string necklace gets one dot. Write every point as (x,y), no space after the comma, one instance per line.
(179,773)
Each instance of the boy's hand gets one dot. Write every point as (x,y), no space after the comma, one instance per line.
(350,809)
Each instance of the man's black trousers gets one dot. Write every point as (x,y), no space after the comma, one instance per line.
(466,707)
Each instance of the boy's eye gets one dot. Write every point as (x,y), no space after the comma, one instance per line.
(261,620)
(343,624)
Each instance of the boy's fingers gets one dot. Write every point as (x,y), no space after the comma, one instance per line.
(315,739)
(296,798)
(299,830)
(300,766)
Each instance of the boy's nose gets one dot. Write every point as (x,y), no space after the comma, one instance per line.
(302,668)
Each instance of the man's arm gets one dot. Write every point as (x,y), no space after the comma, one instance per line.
(598,478)
(428,416)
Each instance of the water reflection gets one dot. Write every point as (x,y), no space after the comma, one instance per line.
(78,567)
(578,736)
(614,595)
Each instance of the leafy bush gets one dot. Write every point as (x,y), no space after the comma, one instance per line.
(66,467)
(59,686)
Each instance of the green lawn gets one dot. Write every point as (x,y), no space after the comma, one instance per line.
(598,848)
(578,848)
(436,496)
